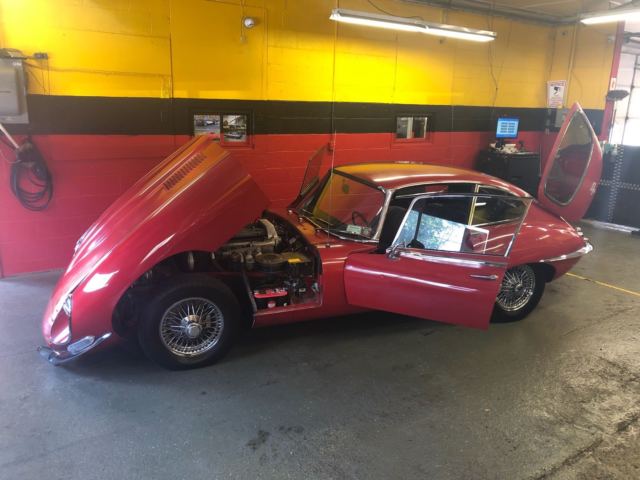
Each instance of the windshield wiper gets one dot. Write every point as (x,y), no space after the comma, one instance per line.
(313,219)
(330,228)
(310,216)
(352,234)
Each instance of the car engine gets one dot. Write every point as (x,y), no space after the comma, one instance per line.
(277,266)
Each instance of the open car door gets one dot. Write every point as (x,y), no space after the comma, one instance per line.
(573,168)
(446,262)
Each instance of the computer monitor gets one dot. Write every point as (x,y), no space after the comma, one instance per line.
(507,127)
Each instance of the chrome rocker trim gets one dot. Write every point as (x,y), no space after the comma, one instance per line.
(73,350)
(578,253)
(463,262)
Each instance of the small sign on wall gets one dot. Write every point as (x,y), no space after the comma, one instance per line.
(555,93)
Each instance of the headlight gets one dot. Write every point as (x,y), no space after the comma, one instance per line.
(79,242)
(61,325)
(66,306)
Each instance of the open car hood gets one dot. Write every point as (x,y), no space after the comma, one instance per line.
(196,199)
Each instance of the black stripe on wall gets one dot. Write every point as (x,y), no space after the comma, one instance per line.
(137,116)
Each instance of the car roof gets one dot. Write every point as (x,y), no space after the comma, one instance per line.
(402,174)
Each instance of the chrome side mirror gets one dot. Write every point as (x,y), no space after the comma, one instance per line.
(393,252)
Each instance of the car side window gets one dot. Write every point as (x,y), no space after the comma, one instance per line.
(489,210)
(449,223)
(571,161)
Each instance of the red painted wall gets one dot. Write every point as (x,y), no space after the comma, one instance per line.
(90,171)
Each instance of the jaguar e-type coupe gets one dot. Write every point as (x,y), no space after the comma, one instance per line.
(190,254)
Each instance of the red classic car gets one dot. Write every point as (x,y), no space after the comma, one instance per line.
(190,254)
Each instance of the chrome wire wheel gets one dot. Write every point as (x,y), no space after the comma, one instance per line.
(518,286)
(191,327)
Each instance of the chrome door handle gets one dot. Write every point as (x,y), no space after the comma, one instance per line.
(485,277)
(393,253)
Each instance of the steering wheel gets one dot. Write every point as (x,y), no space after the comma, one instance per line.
(356,214)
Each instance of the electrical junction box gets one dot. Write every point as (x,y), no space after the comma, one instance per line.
(13,88)
(555,118)
(561,113)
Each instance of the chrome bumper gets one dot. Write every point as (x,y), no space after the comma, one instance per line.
(73,350)
(578,253)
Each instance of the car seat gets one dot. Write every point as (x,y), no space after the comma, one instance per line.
(392,223)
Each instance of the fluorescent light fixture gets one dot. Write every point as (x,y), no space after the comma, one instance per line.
(410,25)
(461,33)
(377,20)
(608,16)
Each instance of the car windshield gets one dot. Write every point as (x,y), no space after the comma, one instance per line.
(345,205)
(311,174)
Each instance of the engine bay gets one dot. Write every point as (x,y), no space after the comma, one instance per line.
(268,262)
(278,267)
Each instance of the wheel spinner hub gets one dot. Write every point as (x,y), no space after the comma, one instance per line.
(517,288)
(191,327)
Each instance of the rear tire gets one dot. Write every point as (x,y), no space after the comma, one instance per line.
(521,290)
(189,322)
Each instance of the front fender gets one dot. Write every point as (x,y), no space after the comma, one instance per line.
(190,206)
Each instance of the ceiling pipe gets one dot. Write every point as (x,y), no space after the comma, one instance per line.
(488,8)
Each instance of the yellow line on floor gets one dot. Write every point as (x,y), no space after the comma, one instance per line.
(608,285)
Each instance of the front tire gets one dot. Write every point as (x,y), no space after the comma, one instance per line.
(521,290)
(189,322)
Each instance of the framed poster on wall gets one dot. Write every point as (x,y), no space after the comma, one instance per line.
(555,93)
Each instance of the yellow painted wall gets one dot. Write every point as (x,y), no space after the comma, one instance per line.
(591,69)
(198,49)
(96,47)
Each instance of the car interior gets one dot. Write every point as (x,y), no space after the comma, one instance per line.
(449,210)
(401,201)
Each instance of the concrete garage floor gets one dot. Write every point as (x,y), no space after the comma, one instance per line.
(372,396)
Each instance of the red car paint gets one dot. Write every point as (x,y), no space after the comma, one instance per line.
(194,200)
(393,176)
(588,179)
(199,197)
(91,171)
